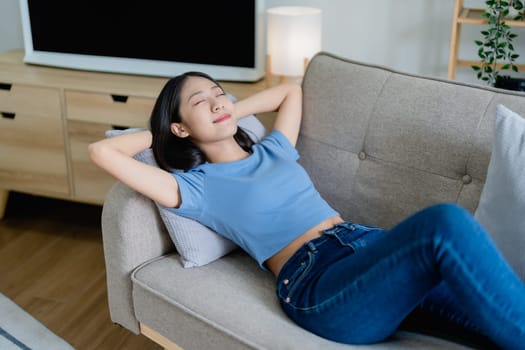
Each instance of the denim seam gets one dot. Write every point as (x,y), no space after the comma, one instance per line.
(311,255)
(478,289)
(302,275)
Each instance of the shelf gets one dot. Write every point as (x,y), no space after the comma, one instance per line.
(473,16)
(463,15)
(469,63)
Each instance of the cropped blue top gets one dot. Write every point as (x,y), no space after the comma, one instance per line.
(262,202)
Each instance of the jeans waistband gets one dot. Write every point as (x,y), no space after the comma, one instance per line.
(346,233)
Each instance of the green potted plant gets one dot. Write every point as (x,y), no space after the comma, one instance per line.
(496,51)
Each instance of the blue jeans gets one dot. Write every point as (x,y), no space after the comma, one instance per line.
(356,284)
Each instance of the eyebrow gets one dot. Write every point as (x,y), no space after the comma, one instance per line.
(200,91)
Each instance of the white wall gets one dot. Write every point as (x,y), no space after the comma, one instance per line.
(10,26)
(408,35)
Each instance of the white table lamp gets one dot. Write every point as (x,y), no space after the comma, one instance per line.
(293,37)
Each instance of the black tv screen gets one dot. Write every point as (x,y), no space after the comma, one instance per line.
(153,37)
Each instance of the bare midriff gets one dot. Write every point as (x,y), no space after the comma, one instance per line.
(276,262)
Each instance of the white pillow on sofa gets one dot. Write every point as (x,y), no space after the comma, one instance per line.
(197,244)
(501,208)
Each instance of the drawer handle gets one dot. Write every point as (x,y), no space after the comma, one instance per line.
(8,115)
(119,127)
(4,86)
(119,98)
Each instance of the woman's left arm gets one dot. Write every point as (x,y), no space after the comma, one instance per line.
(284,98)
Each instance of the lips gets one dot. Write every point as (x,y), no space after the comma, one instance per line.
(222,118)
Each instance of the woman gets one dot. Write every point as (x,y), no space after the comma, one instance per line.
(343,281)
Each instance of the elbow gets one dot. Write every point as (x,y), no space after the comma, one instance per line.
(298,88)
(96,152)
(295,90)
(92,151)
(295,86)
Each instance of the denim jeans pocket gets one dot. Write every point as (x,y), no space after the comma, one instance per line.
(291,277)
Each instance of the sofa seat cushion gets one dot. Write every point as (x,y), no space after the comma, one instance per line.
(231,304)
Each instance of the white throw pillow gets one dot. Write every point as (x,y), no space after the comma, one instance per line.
(197,244)
(501,208)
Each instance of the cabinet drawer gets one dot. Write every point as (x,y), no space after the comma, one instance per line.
(32,154)
(129,111)
(90,183)
(20,99)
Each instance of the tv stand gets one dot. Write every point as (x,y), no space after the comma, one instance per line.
(48,116)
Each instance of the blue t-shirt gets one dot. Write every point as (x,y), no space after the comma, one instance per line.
(262,202)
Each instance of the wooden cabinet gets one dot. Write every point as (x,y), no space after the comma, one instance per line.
(119,110)
(89,116)
(48,116)
(89,182)
(32,140)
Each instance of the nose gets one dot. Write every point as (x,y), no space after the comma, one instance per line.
(217,106)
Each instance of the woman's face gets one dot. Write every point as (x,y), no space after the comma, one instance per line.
(206,112)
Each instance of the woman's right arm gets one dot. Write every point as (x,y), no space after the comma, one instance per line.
(115,156)
(285,98)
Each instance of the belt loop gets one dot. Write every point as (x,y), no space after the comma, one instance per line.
(348,225)
(311,246)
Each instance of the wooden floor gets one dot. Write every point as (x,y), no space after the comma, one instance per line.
(52,265)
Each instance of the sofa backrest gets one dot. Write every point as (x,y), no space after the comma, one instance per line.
(380,144)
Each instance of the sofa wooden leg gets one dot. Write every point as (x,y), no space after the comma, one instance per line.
(4,194)
(158,338)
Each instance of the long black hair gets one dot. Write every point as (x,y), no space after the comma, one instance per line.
(172,152)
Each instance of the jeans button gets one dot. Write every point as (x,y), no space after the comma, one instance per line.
(286,281)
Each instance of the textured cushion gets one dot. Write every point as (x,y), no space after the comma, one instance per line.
(400,142)
(502,203)
(197,244)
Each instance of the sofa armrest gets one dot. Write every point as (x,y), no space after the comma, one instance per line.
(132,233)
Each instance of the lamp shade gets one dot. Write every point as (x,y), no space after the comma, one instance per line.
(293,35)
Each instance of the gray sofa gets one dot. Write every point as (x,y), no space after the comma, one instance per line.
(378,143)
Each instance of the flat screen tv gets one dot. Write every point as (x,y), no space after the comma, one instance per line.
(225,39)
